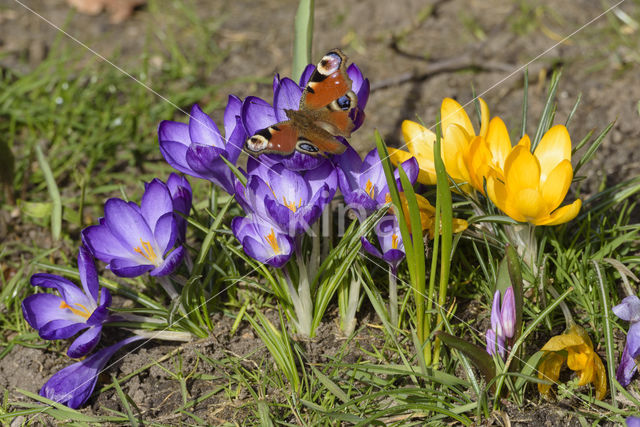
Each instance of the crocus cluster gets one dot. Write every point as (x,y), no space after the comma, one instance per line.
(528,187)
(503,320)
(131,240)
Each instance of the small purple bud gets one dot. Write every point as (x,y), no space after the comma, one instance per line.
(496,316)
(508,313)
(491,343)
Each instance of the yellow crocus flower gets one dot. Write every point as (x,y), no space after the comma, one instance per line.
(428,216)
(533,185)
(574,347)
(457,133)
(486,155)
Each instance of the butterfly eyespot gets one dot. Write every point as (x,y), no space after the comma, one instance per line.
(308,147)
(344,102)
(329,64)
(257,143)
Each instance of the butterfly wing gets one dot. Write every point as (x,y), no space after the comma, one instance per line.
(326,110)
(280,138)
(284,138)
(328,95)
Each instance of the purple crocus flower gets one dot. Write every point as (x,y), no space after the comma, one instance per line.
(363,183)
(262,240)
(629,310)
(74,310)
(181,195)
(195,148)
(502,323)
(391,246)
(73,385)
(633,421)
(258,114)
(289,200)
(134,239)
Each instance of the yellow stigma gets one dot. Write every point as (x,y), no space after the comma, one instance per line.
(147,251)
(273,242)
(83,312)
(291,205)
(370,189)
(387,198)
(394,241)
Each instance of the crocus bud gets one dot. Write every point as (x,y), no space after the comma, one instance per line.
(508,313)
(496,316)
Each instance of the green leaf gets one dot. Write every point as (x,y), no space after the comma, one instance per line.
(303,37)
(54,193)
(478,355)
(7,165)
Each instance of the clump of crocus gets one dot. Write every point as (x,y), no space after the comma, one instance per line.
(290,200)
(134,239)
(534,185)
(363,183)
(503,320)
(73,385)
(262,240)
(576,349)
(258,114)
(457,134)
(197,148)
(629,310)
(74,310)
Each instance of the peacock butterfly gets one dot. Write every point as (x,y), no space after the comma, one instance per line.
(327,108)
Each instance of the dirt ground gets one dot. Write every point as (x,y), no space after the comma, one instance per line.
(415,53)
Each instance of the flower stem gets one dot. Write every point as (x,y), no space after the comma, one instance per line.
(304,310)
(393,296)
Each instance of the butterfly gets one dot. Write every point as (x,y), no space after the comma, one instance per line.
(327,108)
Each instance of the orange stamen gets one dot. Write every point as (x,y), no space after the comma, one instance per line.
(147,251)
(370,189)
(394,241)
(273,242)
(83,312)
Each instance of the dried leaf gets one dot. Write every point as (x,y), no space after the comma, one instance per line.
(119,10)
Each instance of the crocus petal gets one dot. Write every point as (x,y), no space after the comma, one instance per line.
(203,130)
(126,267)
(156,202)
(40,309)
(628,309)
(88,273)
(175,154)
(128,226)
(555,188)
(370,248)
(549,369)
(165,233)
(82,345)
(61,329)
(69,292)
(325,174)
(498,141)
(633,421)
(627,368)
(633,340)
(102,243)
(554,147)
(74,384)
(235,141)
(306,75)
(452,112)
(231,112)
(257,114)
(174,131)
(562,215)
(521,170)
(496,316)
(529,203)
(454,142)
(484,117)
(170,264)
(286,97)
(508,313)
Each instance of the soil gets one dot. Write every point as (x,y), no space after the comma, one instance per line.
(414,59)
